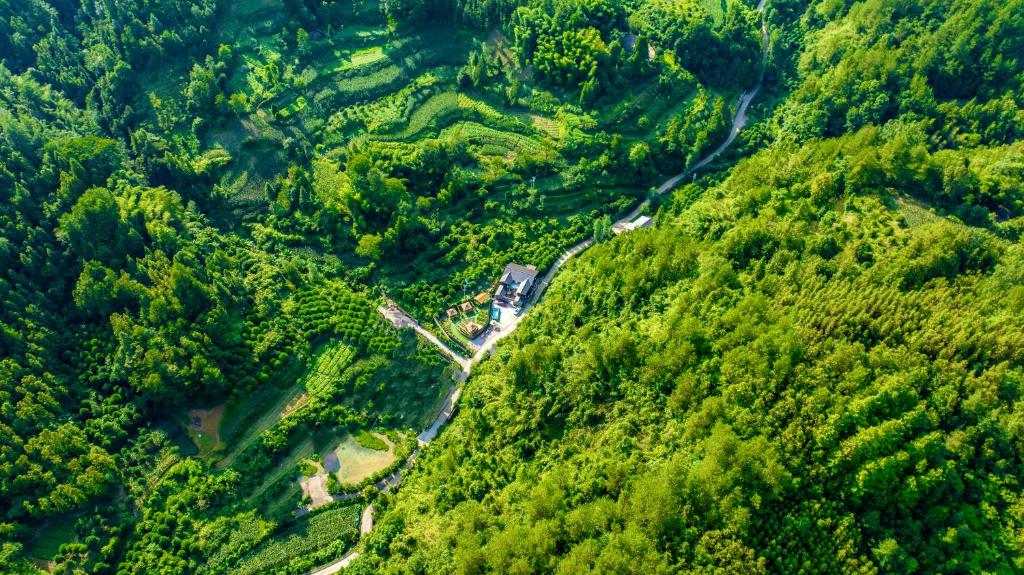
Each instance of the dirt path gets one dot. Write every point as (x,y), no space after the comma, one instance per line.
(316,488)
(366,521)
(401,319)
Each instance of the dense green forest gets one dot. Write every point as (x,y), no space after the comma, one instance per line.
(812,363)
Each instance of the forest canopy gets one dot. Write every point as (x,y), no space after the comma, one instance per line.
(810,363)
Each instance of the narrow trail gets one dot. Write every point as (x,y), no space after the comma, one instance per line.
(400,319)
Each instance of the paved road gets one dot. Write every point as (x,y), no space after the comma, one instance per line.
(400,319)
(447,409)
(739,121)
(338,565)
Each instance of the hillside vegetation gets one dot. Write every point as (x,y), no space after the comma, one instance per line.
(811,364)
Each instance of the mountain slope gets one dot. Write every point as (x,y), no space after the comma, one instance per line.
(777,379)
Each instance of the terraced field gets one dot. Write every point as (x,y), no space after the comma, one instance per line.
(326,368)
(365,87)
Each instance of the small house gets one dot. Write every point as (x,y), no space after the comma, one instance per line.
(471,329)
(452,313)
(639,222)
(642,222)
(516,284)
(482,298)
(466,307)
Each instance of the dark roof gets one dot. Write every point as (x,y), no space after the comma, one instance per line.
(518,274)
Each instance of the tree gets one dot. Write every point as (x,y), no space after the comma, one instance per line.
(603,228)
(93,229)
(369,246)
(638,155)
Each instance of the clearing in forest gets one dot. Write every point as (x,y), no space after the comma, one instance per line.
(353,463)
(204,429)
(325,370)
(290,401)
(50,537)
(352,460)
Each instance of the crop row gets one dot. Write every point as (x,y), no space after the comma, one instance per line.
(476,133)
(327,367)
(307,543)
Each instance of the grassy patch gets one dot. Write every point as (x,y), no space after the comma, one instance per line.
(356,462)
(50,537)
(371,440)
(204,429)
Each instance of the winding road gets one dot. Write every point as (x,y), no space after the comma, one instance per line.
(400,319)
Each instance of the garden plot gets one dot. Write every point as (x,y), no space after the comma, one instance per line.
(327,368)
(360,59)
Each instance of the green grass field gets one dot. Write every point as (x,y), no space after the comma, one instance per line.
(371,440)
(358,461)
(717,9)
(49,538)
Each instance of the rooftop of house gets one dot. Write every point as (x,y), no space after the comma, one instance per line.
(517,274)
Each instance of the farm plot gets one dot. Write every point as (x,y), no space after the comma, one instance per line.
(440,110)
(309,542)
(387,113)
(362,57)
(327,367)
(551,128)
(285,467)
(914,214)
(293,399)
(433,111)
(360,88)
(509,142)
(247,530)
